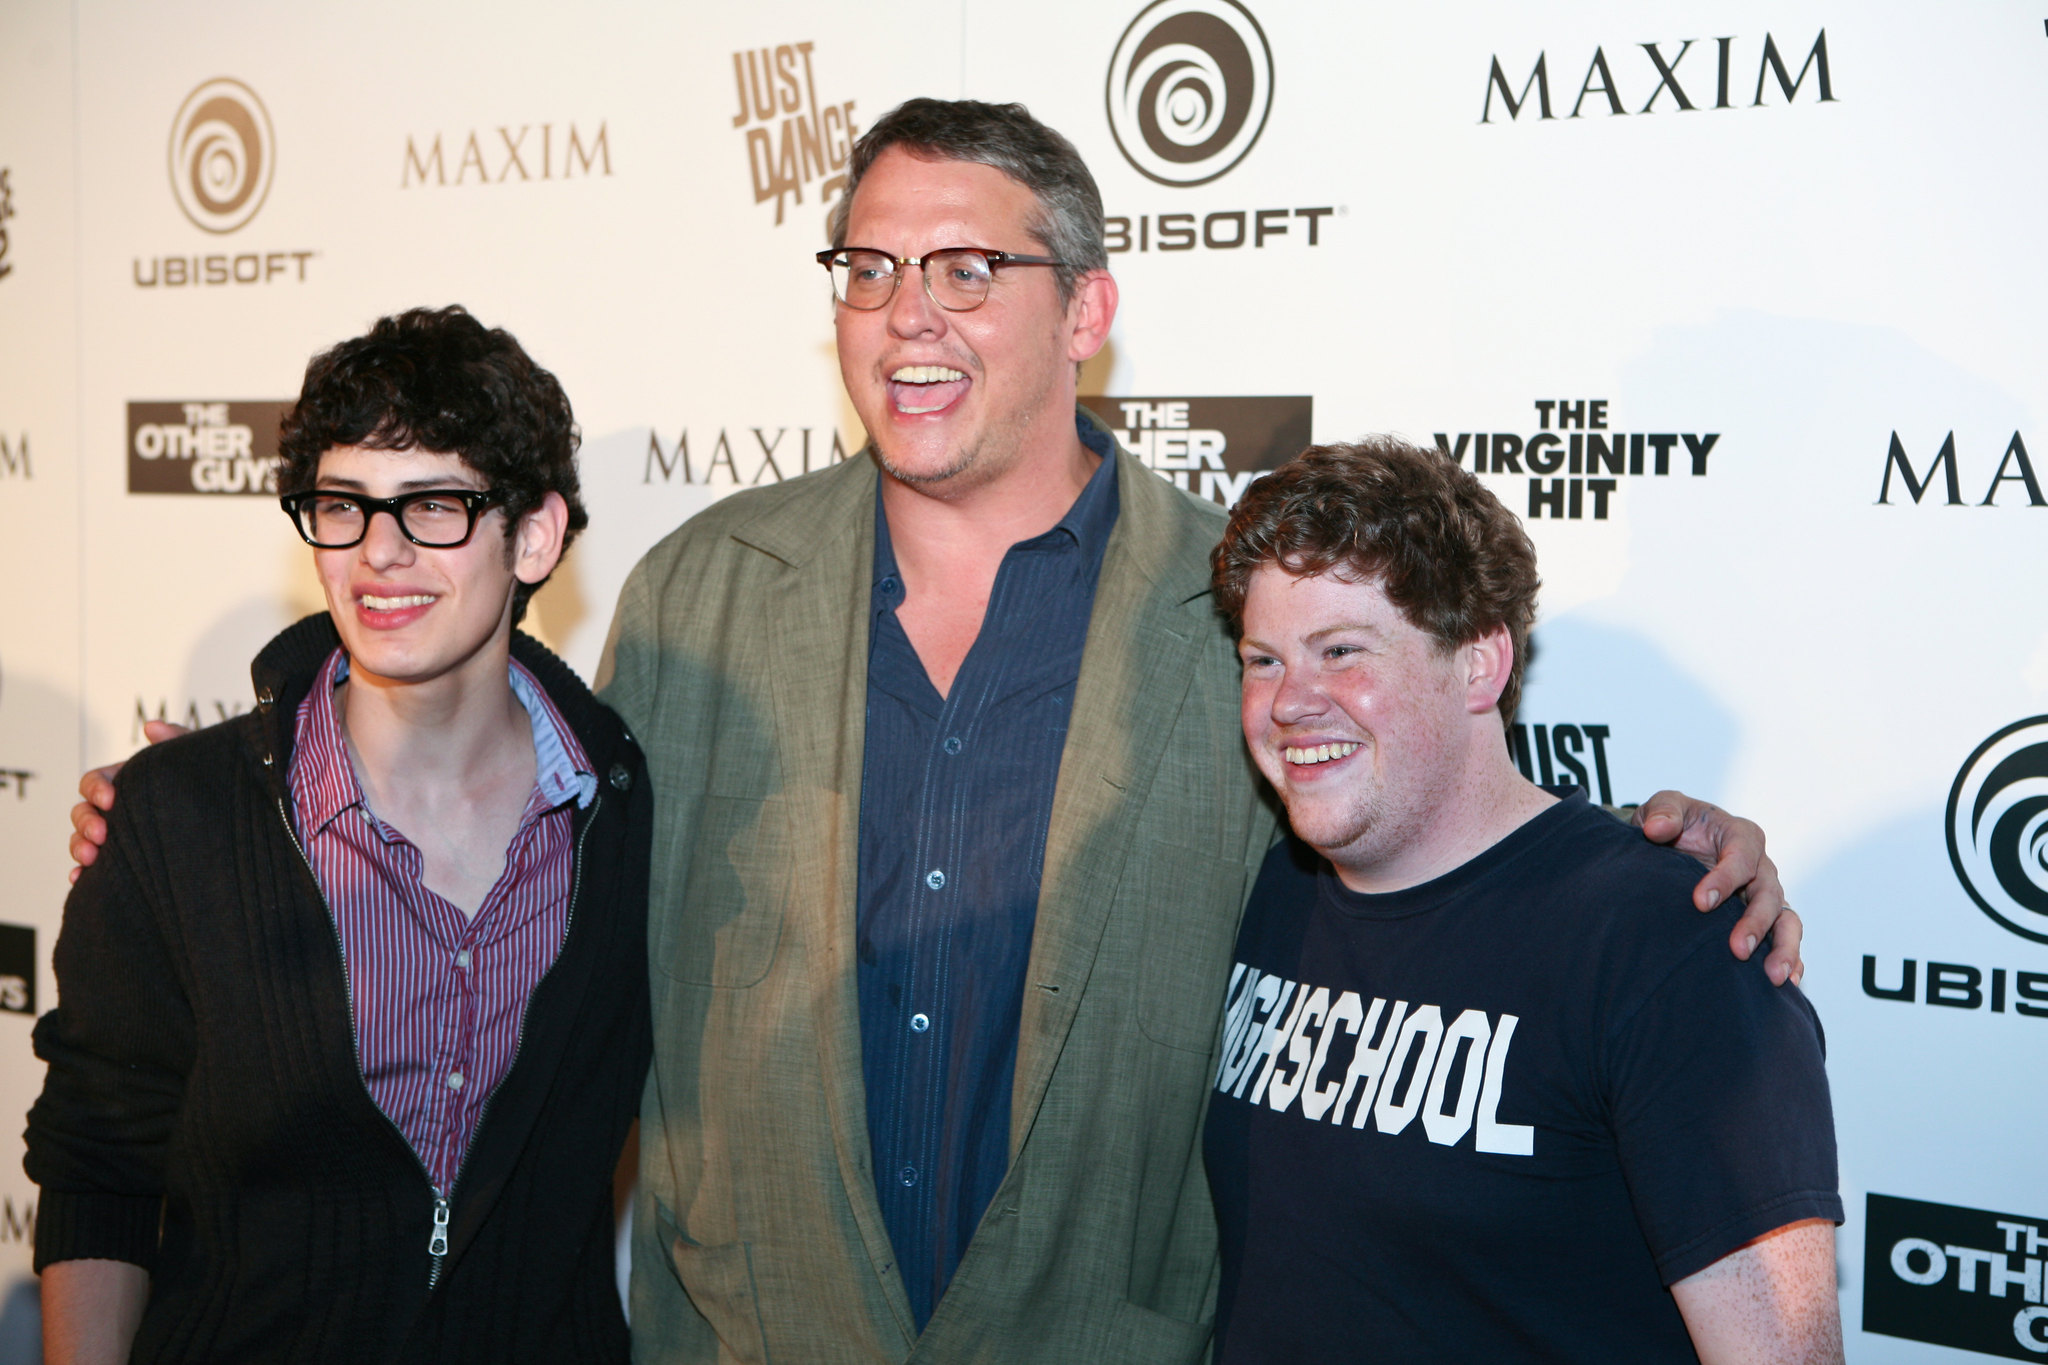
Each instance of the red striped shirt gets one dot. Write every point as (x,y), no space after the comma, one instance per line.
(438,997)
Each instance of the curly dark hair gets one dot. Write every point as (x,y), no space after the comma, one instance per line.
(436,379)
(1444,550)
(1007,138)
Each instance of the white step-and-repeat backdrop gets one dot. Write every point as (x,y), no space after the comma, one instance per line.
(1739,303)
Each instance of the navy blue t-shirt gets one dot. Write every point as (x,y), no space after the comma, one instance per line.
(1493,1116)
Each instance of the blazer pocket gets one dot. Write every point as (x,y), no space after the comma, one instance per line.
(720,1283)
(1190,902)
(735,888)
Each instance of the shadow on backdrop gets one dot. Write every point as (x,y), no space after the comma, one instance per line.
(1664,728)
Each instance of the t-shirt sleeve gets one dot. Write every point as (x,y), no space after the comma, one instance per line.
(1719,1100)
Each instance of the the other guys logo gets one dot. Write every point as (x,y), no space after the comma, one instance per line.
(1960,1277)
(203,446)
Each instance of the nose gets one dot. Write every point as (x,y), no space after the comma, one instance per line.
(1297,698)
(912,313)
(384,544)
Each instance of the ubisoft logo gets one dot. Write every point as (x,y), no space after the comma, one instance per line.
(1998,827)
(1190,85)
(222,155)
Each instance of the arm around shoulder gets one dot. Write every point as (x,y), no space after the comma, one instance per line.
(1770,1301)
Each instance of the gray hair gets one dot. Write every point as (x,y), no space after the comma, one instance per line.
(1008,138)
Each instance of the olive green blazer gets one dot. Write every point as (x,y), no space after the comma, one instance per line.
(739,658)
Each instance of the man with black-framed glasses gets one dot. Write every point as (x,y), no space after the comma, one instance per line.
(353,1014)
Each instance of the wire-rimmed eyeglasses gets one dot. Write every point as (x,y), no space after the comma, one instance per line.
(956,278)
(433,518)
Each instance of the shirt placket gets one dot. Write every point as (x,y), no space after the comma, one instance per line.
(952,764)
(458,1064)
(928,1021)
(478,936)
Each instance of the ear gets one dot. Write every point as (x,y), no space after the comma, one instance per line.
(538,546)
(1488,661)
(1089,314)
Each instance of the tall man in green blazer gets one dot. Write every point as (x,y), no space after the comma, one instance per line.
(1071,987)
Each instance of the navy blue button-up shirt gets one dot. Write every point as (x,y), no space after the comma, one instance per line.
(956,795)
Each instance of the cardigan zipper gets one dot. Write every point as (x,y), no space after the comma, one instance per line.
(437,1244)
(437,1241)
(483,1115)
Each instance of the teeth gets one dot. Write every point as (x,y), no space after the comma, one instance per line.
(396,603)
(1320,753)
(926,374)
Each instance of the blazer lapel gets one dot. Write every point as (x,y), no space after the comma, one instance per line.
(1142,642)
(821,623)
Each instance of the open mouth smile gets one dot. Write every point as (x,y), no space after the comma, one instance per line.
(915,390)
(374,603)
(1319,753)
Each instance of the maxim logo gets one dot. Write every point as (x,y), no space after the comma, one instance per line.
(2014,468)
(1212,447)
(1658,71)
(529,151)
(1950,1276)
(203,447)
(6,212)
(14,462)
(768,458)
(1190,87)
(1578,444)
(792,140)
(223,154)
(1998,827)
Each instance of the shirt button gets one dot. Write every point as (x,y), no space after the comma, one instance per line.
(935,879)
(908,1176)
(462,959)
(920,1022)
(455,1080)
(952,744)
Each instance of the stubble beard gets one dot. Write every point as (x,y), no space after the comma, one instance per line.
(972,466)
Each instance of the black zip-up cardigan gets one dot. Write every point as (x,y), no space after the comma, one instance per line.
(204,1115)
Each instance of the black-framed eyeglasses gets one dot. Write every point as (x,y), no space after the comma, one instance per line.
(433,518)
(956,278)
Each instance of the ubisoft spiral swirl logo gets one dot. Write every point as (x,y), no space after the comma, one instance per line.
(1998,827)
(222,155)
(1190,85)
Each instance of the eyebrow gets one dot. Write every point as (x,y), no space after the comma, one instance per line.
(1247,642)
(418,485)
(1361,627)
